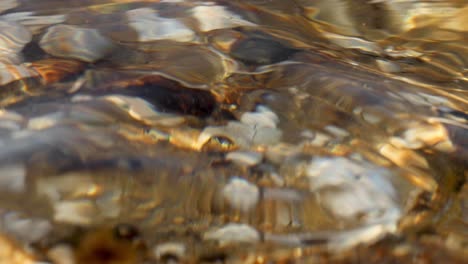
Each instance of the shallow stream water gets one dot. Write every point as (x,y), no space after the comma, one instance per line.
(326,131)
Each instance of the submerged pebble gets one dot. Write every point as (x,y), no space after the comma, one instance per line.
(74,42)
(347,123)
(244,158)
(261,51)
(12,178)
(151,27)
(354,191)
(212,17)
(13,36)
(233,233)
(74,212)
(8,4)
(241,194)
(170,250)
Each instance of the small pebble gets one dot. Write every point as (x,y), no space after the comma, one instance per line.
(241,194)
(244,158)
(233,233)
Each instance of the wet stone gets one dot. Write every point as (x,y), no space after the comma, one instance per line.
(232,233)
(12,178)
(233,131)
(244,158)
(167,95)
(73,42)
(151,27)
(212,17)
(261,51)
(241,194)
(7,4)
(13,37)
(170,251)
(340,182)
(33,22)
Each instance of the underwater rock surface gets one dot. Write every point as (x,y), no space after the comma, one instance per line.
(136,131)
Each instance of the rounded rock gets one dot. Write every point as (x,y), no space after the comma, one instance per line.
(13,37)
(76,43)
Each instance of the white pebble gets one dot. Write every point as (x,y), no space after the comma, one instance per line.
(61,254)
(233,233)
(151,27)
(12,177)
(170,248)
(74,212)
(241,194)
(211,17)
(247,158)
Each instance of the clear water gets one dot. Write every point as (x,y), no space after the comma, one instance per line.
(235,131)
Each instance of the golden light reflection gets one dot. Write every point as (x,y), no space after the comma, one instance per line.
(344,119)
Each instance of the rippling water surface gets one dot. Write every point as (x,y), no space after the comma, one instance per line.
(233,131)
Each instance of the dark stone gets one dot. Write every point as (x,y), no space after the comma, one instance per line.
(261,51)
(170,96)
